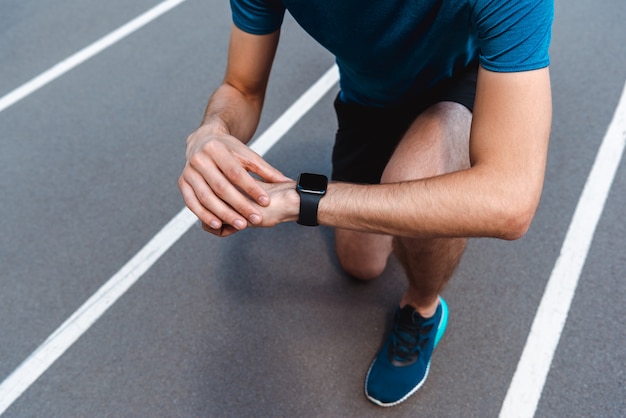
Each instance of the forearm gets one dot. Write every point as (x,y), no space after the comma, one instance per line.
(235,107)
(461,204)
(231,112)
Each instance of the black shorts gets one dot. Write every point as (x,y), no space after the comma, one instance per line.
(367,136)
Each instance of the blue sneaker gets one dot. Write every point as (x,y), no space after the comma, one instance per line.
(401,366)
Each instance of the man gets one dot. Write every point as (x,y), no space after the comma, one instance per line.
(444,118)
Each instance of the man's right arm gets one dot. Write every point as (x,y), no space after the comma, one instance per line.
(216,183)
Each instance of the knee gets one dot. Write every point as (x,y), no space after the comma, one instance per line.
(362,255)
(361,269)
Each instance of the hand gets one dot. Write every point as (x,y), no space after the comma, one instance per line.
(216,183)
(284,207)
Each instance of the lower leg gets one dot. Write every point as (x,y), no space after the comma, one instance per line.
(429,265)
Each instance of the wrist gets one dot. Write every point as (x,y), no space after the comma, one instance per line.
(311,188)
(204,134)
(211,127)
(284,204)
(292,205)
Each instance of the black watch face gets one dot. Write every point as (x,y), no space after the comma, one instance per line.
(312,183)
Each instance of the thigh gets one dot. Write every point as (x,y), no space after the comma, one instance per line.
(437,142)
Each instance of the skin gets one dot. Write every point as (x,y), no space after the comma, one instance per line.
(478,175)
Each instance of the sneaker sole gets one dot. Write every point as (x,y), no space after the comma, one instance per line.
(440,331)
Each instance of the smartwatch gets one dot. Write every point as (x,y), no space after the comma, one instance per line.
(311,188)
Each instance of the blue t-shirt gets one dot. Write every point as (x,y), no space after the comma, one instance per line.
(389,51)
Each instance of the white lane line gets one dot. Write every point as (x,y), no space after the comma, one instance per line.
(84,54)
(532,370)
(77,324)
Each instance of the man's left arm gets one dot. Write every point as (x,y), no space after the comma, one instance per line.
(496,197)
(509,145)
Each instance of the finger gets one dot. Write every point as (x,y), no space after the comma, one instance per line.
(254,163)
(257,165)
(227,179)
(213,223)
(231,204)
(207,218)
(263,198)
(200,193)
(223,232)
(237,172)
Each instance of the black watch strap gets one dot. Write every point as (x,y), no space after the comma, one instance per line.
(308,209)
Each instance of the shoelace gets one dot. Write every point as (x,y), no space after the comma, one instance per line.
(408,340)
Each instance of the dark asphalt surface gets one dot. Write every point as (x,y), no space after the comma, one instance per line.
(264,323)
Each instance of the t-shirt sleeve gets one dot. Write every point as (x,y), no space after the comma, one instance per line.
(514,35)
(258,17)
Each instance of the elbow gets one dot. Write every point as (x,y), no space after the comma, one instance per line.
(516,221)
(515,226)
(512,206)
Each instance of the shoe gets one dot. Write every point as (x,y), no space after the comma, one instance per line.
(402,365)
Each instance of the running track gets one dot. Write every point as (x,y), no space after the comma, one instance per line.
(240,327)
